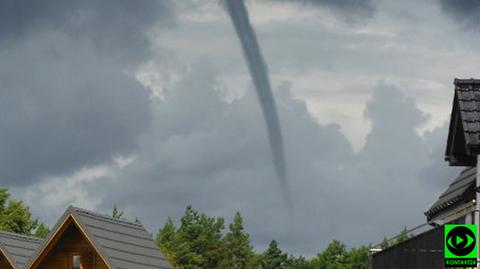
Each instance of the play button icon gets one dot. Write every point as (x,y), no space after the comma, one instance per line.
(460,241)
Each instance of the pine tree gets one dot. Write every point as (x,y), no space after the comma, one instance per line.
(238,251)
(42,231)
(298,263)
(116,214)
(4,196)
(15,216)
(403,236)
(198,241)
(359,258)
(166,235)
(166,241)
(273,257)
(334,257)
(385,243)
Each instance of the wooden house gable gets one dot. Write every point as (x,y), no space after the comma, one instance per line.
(97,241)
(68,247)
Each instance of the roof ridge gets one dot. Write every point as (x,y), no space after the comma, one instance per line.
(466,81)
(467,169)
(456,188)
(21,236)
(105,216)
(465,173)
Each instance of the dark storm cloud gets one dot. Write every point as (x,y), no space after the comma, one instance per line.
(115,26)
(353,10)
(437,175)
(215,155)
(204,151)
(394,119)
(465,12)
(68,98)
(63,107)
(390,163)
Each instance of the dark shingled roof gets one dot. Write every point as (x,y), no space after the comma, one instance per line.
(124,244)
(464,133)
(461,190)
(18,248)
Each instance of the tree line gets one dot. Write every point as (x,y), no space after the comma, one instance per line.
(202,242)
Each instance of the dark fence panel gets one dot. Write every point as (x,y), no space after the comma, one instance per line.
(425,251)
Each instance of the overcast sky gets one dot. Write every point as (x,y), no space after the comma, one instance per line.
(149,105)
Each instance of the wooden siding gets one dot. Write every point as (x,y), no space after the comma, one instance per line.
(72,242)
(4,264)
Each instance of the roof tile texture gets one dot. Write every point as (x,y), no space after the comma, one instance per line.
(126,244)
(455,192)
(467,93)
(20,248)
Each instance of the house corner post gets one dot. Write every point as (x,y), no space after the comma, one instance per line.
(477,206)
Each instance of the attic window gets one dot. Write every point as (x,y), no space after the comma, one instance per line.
(76,260)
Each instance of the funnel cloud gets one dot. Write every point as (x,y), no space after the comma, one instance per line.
(259,73)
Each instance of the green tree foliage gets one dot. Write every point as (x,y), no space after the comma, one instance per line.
(166,235)
(337,256)
(273,257)
(16,217)
(359,258)
(300,262)
(42,231)
(385,243)
(200,243)
(334,257)
(197,243)
(166,239)
(403,236)
(238,251)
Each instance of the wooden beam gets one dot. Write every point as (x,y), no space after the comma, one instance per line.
(7,258)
